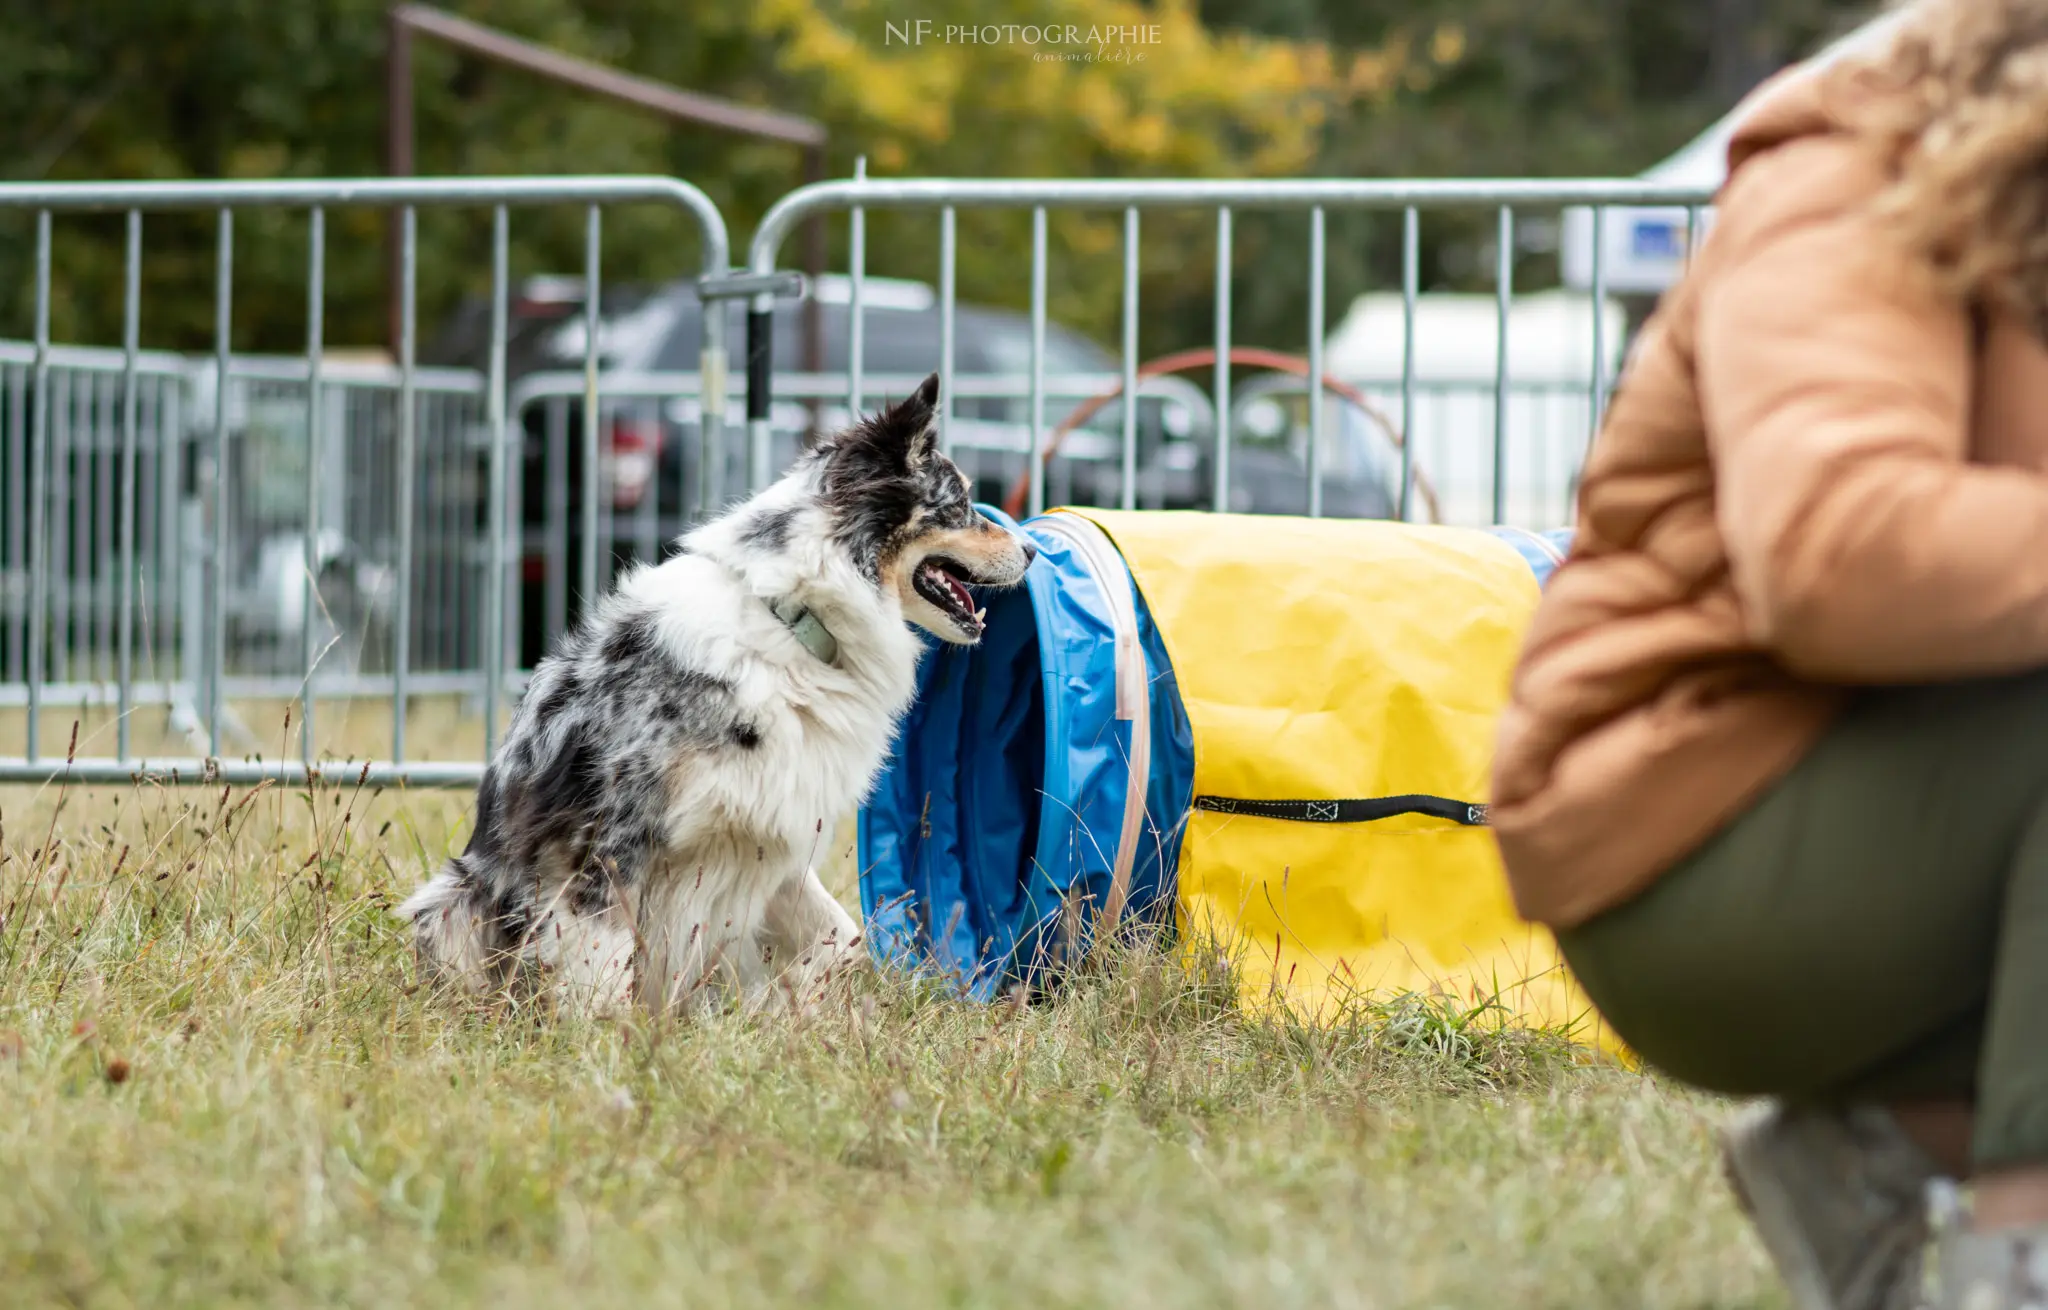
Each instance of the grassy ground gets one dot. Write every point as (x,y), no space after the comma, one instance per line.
(221,1088)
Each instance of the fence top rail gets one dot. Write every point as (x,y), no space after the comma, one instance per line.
(1193,193)
(247,368)
(243,773)
(378,191)
(366,375)
(97,359)
(559,384)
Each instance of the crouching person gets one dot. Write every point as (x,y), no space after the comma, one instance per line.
(1776,762)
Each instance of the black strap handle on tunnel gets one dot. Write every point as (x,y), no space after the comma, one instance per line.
(760,324)
(760,361)
(1464,813)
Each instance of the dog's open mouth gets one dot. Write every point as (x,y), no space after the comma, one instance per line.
(939,582)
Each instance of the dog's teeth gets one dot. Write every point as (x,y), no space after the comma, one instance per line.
(981,616)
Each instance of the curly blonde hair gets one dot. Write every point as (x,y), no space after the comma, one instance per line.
(1962,103)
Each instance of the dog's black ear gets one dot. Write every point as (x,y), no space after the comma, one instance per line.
(896,439)
(913,414)
(926,397)
(905,430)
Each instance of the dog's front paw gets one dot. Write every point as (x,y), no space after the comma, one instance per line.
(814,977)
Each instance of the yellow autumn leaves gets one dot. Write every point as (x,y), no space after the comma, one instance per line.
(929,92)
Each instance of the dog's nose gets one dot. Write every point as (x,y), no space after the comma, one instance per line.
(1030,551)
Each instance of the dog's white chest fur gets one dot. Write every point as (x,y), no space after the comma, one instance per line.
(742,837)
(814,734)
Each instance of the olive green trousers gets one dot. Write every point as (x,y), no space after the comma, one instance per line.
(1873,929)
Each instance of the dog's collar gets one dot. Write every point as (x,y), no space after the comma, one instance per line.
(809,630)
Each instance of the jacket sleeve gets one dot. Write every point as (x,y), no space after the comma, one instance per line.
(1835,384)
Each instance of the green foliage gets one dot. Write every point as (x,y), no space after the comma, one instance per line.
(1514,88)
(247,88)
(255,88)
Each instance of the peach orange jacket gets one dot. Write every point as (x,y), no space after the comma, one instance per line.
(1818,473)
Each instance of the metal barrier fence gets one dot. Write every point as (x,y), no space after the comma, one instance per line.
(183,532)
(239,495)
(268,425)
(266,655)
(267,652)
(1411,199)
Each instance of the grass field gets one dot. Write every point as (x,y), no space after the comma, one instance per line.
(221,1088)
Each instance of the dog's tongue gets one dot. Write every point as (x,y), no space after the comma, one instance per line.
(960,592)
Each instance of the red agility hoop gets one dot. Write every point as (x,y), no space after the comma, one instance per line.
(1181,361)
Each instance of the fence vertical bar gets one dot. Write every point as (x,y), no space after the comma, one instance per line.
(1598,407)
(1504,293)
(647,514)
(466,567)
(593,301)
(104,556)
(1318,257)
(513,619)
(74,502)
(81,419)
(711,366)
(408,453)
(1223,267)
(17,386)
(107,547)
(217,592)
(1038,456)
(712,388)
(316,336)
(61,386)
(431,597)
(101,541)
(168,464)
(170,580)
(39,491)
(131,345)
(495,636)
(441,643)
(1129,497)
(856,270)
(1411,280)
(949,236)
(555,468)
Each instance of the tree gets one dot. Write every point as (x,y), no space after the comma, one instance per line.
(246,88)
(1512,88)
(1370,88)
(1174,98)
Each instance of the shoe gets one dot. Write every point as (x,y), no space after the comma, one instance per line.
(1840,1200)
(2006,1270)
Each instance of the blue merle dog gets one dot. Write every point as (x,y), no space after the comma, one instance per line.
(647,828)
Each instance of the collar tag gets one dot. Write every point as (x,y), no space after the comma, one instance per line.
(809,630)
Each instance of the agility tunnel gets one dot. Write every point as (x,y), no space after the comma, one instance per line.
(1273,734)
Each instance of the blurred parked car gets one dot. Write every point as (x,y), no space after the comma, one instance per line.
(650,446)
